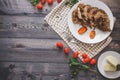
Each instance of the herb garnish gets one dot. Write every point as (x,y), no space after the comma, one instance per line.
(34,2)
(76,66)
(71,2)
(118,67)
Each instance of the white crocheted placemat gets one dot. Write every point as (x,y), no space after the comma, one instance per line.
(57,19)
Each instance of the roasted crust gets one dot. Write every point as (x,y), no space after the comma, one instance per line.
(75,17)
(91,17)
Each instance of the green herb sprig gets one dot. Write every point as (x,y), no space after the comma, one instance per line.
(34,2)
(118,67)
(71,2)
(76,66)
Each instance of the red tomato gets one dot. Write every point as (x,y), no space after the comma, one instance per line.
(59,44)
(59,1)
(50,2)
(43,1)
(66,50)
(86,60)
(93,61)
(39,6)
(75,55)
(84,55)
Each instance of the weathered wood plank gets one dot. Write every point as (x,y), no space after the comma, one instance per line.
(43,71)
(29,33)
(45,68)
(34,57)
(38,50)
(31,50)
(34,27)
(23,6)
(113,46)
(27,42)
(25,27)
(39,71)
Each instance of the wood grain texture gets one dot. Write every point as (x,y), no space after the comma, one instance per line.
(28,45)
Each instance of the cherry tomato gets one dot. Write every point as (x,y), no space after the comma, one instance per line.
(86,60)
(50,2)
(93,61)
(43,1)
(59,44)
(39,6)
(75,55)
(66,50)
(59,1)
(84,55)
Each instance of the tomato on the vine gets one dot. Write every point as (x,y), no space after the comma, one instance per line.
(43,1)
(59,1)
(66,50)
(84,55)
(86,60)
(39,6)
(50,2)
(93,61)
(75,55)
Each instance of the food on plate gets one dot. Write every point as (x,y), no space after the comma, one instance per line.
(92,34)
(108,67)
(112,60)
(92,17)
(87,15)
(111,64)
(75,17)
(82,30)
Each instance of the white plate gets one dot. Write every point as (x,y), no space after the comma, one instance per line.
(100,35)
(102,61)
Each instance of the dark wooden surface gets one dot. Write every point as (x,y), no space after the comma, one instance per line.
(27,44)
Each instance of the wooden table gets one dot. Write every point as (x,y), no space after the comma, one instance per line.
(28,46)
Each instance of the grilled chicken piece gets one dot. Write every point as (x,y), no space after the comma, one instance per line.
(81,7)
(91,11)
(79,13)
(99,13)
(85,10)
(82,13)
(91,16)
(85,14)
(103,24)
(101,20)
(75,17)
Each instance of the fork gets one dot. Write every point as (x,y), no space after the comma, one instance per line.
(71,39)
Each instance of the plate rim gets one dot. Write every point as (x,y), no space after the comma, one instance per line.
(98,62)
(110,16)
